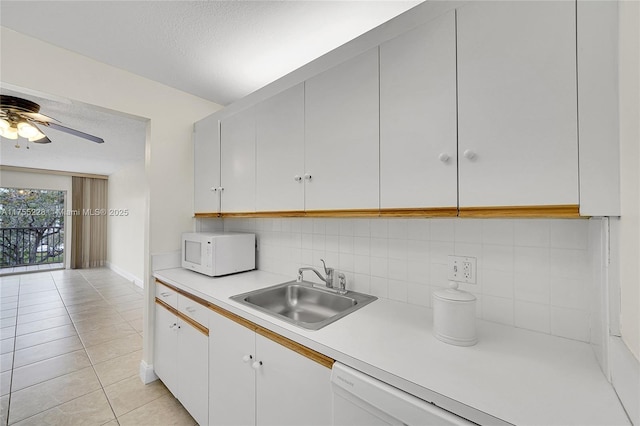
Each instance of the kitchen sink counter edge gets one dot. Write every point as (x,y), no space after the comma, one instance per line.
(511,375)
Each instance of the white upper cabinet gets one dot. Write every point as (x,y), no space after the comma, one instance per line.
(206,153)
(342,136)
(238,162)
(280,151)
(517,102)
(418,117)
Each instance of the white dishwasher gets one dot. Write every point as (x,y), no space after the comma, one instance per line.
(361,400)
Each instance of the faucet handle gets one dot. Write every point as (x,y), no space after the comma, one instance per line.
(326,270)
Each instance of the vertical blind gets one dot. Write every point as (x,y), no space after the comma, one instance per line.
(89,222)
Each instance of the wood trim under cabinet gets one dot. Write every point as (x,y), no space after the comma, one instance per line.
(554,211)
(205,215)
(283,213)
(201,328)
(343,213)
(420,212)
(306,352)
(551,211)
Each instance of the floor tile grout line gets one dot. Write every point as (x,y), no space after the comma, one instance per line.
(13,356)
(87,353)
(84,347)
(40,412)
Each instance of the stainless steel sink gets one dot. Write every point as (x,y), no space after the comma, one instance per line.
(303,303)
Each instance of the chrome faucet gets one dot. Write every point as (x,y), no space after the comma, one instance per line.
(328,279)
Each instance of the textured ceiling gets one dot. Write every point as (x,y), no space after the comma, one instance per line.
(217,50)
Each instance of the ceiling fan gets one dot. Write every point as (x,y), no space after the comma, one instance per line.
(20,117)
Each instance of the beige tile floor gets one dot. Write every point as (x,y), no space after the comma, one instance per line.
(71,347)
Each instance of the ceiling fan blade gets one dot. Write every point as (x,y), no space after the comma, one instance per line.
(40,118)
(75,132)
(43,140)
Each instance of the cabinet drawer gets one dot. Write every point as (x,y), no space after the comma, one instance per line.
(193,310)
(167,295)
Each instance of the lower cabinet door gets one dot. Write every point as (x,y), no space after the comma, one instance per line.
(291,389)
(232,383)
(165,349)
(193,371)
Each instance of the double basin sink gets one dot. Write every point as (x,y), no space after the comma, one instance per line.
(303,303)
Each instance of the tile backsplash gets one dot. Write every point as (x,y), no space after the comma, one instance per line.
(531,273)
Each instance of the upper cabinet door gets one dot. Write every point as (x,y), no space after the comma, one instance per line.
(238,162)
(342,137)
(517,103)
(206,153)
(418,117)
(280,151)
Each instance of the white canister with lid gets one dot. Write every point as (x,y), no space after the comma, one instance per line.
(454,316)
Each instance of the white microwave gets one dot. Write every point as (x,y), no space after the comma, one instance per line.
(218,253)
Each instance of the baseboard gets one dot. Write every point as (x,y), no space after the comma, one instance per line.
(147,375)
(128,276)
(625,377)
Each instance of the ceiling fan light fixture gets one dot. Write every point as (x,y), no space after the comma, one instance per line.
(4,124)
(9,132)
(39,135)
(26,130)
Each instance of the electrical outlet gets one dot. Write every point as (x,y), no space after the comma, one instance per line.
(462,269)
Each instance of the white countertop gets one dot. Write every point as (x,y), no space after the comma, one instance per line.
(514,375)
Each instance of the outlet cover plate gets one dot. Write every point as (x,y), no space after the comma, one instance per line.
(462,269)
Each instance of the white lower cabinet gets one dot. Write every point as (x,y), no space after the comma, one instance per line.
(182,360)
(256,381)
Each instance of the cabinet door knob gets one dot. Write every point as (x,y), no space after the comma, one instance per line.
(470,155)
(297,178)
(221,188)
(444,157)
(307,176)
(247,358)
(256,365)
(213,188)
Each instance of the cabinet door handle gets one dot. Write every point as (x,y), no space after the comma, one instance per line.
(256,365)
(221,188)
(247,358)
(213,188)
(297,178)
(444,157)
(173,326)
(165,294)
(470,155)
(307,176)
(190,309)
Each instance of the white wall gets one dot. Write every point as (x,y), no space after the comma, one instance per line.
(532,274)
(630,175)
(12,179)
(169,153)
(125,243)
